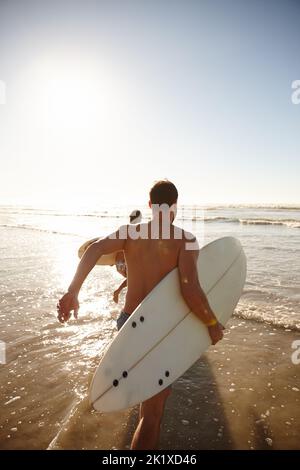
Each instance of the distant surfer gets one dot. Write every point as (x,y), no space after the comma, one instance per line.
(134,218)
(149,259)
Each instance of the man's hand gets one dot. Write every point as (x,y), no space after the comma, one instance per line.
(216,332)
(65,306)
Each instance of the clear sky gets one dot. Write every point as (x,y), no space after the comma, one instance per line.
(103,97)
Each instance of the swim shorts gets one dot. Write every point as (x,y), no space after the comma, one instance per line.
(123,317)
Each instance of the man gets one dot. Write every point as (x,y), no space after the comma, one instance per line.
(160,248)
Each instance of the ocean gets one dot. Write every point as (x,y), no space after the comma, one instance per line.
(48,365)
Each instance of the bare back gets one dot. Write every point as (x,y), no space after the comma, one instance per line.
(148,261)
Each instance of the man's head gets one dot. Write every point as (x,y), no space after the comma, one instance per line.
(164,193)
(135,217)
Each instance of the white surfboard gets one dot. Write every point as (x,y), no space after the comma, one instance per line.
(104,260)
(163,338)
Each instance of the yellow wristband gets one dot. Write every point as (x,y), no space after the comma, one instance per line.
(212,322)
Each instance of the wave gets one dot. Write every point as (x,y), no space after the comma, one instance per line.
(214,219)
(273,207)
(266,207)
(37,229)
(123,211)
(270,308)
(67,214)
(291,223)
(279,322)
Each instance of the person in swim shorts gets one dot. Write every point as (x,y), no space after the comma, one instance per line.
(149,259)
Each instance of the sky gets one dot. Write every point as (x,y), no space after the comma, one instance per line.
(104,97)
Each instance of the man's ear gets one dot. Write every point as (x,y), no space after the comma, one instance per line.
(150,204)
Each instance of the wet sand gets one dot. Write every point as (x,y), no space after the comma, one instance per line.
(243,393)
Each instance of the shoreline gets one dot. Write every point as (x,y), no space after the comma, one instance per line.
(44,384)
(244,393)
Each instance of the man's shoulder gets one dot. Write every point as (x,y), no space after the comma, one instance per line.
(188,242)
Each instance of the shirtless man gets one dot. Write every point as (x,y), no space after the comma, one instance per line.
(148,260)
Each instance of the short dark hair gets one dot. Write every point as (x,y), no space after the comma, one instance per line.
(163,192)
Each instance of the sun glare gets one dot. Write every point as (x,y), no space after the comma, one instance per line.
(73,93)
(72,111)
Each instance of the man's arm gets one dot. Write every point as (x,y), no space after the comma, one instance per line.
(193,293)
(100,247)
